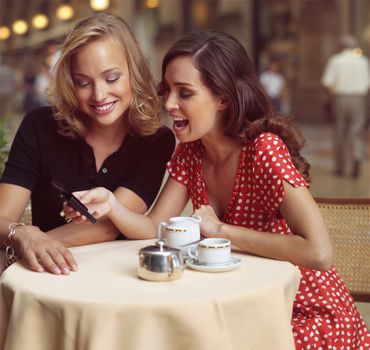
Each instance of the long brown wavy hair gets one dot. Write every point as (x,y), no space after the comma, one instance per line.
(227,71)
(143,117)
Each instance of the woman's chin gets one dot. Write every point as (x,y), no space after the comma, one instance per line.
(183,138)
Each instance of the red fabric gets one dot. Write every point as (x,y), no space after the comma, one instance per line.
(324,314)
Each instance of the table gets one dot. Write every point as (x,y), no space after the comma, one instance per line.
(105,306)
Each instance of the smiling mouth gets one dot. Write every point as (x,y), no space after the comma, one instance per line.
(104,107)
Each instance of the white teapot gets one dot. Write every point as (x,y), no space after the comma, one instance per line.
(179,231)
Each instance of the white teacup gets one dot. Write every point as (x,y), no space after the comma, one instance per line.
(211,251)
(179,231)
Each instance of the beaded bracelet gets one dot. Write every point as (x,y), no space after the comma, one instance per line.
(10,257)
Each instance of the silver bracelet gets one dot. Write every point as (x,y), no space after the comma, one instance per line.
(10,257)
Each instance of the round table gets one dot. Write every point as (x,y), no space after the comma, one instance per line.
(104,305)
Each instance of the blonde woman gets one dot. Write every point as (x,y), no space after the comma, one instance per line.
(103,129)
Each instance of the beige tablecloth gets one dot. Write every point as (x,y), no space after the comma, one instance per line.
(105,306)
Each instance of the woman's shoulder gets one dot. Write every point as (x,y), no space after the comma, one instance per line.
(41,124)
(161,142)
(268,148)
(164,132)
(41,117)
(267,141)
(163,135)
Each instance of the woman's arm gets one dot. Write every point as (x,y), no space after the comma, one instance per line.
(33,244)
(40,251)
(104,204)
(309,246)
(104,230)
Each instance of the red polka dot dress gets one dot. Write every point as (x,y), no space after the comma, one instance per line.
(324,313)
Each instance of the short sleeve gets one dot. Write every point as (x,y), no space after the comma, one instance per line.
(273,165)
(22,166)
(146,174)
(177,167)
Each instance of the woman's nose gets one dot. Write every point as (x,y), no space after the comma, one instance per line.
(171,102)
(99,92)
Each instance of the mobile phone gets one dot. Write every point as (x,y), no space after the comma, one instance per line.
(73,201)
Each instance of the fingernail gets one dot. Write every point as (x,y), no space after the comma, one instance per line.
(74,268)
(66,271)
(57,271)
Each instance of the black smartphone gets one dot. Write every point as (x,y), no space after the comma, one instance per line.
(73,201)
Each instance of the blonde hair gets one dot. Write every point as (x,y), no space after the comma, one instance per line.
(143,116)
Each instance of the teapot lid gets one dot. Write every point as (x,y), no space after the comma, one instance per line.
(159,249)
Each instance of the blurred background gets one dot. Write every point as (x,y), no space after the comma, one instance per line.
(297,35)
(293,38)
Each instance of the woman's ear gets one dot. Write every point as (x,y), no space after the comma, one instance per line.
(224,103)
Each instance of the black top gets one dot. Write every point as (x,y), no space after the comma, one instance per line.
(39,154)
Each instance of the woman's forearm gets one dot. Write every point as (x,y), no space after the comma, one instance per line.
(85,233)
(132,225)
(4,230)
(293,248)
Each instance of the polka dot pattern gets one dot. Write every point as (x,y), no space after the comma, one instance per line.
(324,313)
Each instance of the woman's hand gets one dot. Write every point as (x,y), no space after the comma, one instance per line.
(210,224)
(42,253)
(99,201)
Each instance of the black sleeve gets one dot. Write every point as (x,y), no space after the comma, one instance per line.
(150,164)
(24,157)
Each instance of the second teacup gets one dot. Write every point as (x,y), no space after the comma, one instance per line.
(211,251)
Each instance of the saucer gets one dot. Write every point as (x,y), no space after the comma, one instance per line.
(232,264)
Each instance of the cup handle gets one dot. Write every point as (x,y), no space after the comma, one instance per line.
(160,230)
(193,252)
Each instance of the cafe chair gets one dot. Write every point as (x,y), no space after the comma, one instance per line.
(348,222)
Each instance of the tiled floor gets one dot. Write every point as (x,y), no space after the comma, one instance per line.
(319,153)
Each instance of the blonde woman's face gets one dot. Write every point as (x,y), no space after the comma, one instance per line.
(101,81)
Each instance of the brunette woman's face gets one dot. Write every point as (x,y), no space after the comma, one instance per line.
(195,110)
(101,80)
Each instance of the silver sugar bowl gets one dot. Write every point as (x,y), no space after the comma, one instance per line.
(160,263)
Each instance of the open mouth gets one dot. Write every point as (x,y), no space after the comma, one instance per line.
(105,107)
(180,124)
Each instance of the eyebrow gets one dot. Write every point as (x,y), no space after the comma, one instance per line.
(181,84)
(104,72)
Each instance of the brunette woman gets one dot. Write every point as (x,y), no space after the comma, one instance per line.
(241,167)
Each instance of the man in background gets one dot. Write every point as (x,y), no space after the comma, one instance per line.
(274,83)
(347,78)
